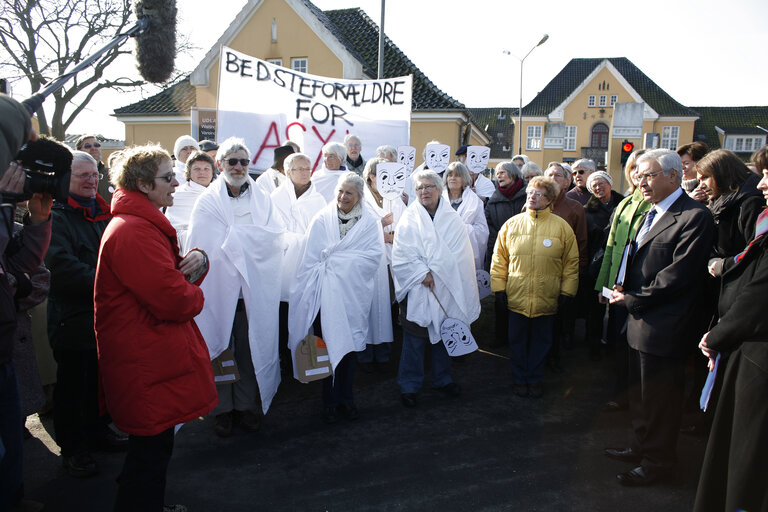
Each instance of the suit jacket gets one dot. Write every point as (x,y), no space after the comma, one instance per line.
(665,281)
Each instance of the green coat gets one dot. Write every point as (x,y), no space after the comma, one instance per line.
(627,217)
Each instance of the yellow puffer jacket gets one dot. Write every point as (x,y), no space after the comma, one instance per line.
(535,260)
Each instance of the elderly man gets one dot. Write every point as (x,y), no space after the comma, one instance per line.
(354,160)
(661,284)
(581,171)
(77,228)
(91,145)
(182,148)
(235,223)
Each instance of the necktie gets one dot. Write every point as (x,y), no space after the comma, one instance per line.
(646,227)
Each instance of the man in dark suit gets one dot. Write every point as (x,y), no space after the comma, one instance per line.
(665,269)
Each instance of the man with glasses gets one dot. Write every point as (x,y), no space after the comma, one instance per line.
(236,225)
(91,145)
(354,161)
(76,234)
(581,170)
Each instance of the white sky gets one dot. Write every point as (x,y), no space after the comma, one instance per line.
(703,53)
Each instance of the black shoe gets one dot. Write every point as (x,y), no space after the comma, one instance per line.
(222,425)
(250,421)
(408,399)
(520,390)
(350,411)
(615,406)
(638,477)
(535,391)
(80,465)
(623,454)
(330,416)
(452,390)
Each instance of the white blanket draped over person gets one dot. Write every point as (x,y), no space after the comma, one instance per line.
(180,213)
(380,330)
(325,182)
(472,212)
(334,277)
(249,258)
(442,247)
(270,180)
(296,214)
(484,188)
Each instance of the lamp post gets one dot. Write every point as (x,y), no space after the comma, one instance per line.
(520,110)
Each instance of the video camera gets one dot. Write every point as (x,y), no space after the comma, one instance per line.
(47,165)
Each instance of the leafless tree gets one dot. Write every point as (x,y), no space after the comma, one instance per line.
(43,38)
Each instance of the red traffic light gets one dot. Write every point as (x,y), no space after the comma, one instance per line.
(627,147)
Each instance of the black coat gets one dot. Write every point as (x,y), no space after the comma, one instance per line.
(497,211)
(735,469)
(72,259)
(599,220)
(735,216)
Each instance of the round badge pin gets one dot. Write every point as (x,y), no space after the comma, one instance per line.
(547,242)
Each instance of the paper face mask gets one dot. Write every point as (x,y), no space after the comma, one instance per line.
(457,337)
(477,158)
(390,179)
(483,283)
(438,156)
(406,155)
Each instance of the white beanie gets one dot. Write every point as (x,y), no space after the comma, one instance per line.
(182,142)
(598,174)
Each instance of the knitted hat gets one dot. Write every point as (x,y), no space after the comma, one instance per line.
(182,142)
(598,174)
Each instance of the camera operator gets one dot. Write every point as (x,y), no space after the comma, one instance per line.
(22,252)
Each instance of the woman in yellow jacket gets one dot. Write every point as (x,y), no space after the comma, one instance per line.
(535,261)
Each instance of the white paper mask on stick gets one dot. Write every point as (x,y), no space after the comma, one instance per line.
(438,156)
(483,283)
(457,337)
(390,179)
(477,158)
(406,155)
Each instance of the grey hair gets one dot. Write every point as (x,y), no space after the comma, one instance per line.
(424,151)
(459,169)
(337,149)
(521,157)
(428,174)
(370,167)
(229,146)
(351,177)
(531,168)
(585,163)
(288,163)
(512,170)
(351,136)
(82,156)
(667,159)
(388,152)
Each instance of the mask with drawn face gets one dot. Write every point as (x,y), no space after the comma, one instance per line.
(390,179)
(477,158)
(438,156)
(406,155)
(457,337)
(483,283)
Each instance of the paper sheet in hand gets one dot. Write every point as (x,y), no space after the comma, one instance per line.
(607,293)
(706,392)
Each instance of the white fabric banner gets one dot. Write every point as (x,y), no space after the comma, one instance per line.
(267,104)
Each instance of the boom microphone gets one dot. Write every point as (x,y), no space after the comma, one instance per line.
(156,45)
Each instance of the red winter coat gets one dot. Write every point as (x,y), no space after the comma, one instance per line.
(153,362)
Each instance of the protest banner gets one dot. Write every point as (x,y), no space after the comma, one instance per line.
(267,105)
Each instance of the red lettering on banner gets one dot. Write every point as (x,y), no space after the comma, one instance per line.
(265,145)
(287,129)
(324,142)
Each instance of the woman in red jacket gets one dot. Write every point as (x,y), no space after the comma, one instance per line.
(153,362)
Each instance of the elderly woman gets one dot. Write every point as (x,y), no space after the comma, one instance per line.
(182,149)
(627,218)
(380,334)
(327,177)
(520,161)
(344,248)
(154,366)
(734,464)
(434,276)
(388,153)
(507,201)
(458,193)
(198,174)
(530,170)
(535,262)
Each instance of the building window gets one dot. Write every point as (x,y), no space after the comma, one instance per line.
(614,99)
(569,144)
(744,144)
(599,137)
(276,62)
(591,102)
(669,136)
(299,64)
(603,100)
(534,138)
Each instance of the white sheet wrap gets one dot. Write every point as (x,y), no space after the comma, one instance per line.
(179,214)
(472,212)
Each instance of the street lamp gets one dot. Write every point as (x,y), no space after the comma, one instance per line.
(520,110)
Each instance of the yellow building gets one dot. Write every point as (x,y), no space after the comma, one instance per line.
(297,35)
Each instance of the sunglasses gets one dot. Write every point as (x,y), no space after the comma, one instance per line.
(166,177)
(243,161)
(89,146)
(580,171)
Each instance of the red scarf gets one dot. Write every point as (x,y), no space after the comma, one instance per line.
(511,190)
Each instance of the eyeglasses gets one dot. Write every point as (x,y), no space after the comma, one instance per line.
(243,161)
(537,195)
(90,176)
(580,171)
(300,169)
(89,146)
(648,176)
(165,177)
(356,146)
(422,188)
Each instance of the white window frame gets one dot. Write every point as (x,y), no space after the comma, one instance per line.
(614,99)
(533,140)
(603,100)
(669,137)
(744,144)
(591,100)
(569,142)
(300,64)
(276,62)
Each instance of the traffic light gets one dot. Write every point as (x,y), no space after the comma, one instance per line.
(626,150)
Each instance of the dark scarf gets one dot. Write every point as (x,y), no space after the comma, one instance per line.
(356,163)
(510,191)
(88,203)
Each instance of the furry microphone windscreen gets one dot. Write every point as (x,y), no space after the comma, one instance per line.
(156,46)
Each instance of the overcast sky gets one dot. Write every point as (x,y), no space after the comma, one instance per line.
(703,53)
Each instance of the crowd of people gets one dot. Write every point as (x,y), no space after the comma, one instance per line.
(192,290)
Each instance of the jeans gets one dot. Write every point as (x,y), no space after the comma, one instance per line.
(410,375)
(11,463)
(529,342)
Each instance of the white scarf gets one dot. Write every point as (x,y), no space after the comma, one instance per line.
(325,182)
(334,276)
(243,257)
(472,212)
(266,181)
(440,246)
(178,215)
(180,171)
